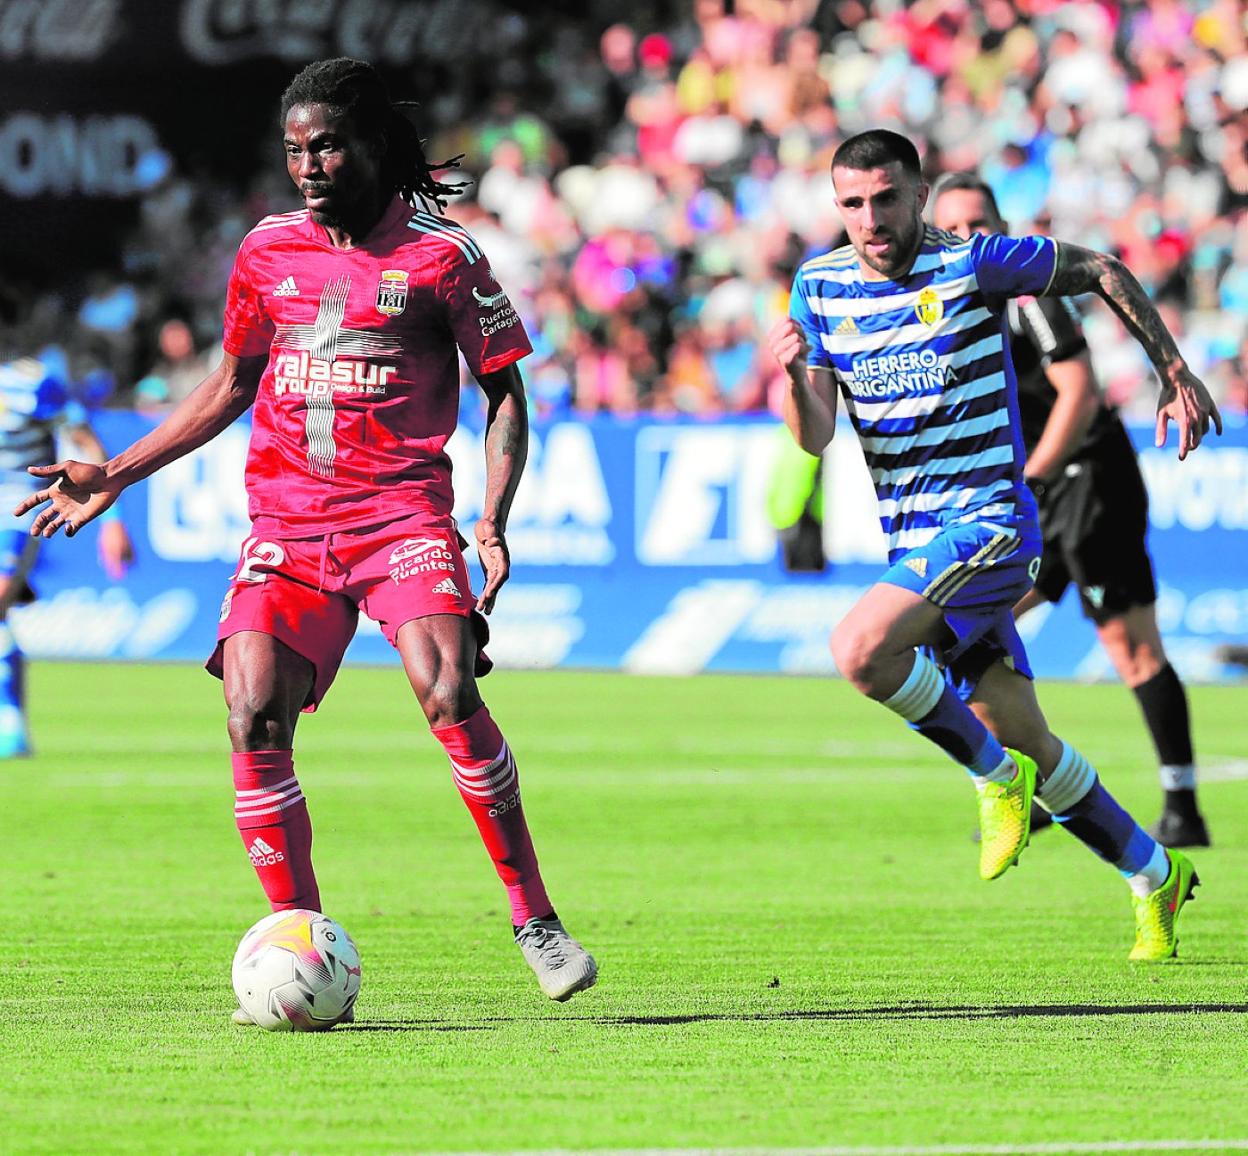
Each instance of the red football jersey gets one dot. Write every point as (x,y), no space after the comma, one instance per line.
(361,391)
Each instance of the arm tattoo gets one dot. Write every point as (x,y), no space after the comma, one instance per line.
(1080,270)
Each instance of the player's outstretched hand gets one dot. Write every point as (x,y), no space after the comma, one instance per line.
(1187,403)
(789,345)
(495,562)
(76,496)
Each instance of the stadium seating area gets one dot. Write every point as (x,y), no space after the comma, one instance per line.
(646,192)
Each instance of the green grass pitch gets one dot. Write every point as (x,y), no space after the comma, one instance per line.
(777,879)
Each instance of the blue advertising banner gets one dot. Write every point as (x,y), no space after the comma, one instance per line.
(639,545)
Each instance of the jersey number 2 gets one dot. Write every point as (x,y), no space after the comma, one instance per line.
(268,555)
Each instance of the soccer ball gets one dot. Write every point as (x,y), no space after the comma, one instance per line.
(296,971)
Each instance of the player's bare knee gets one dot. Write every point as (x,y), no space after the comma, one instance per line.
(1140,661)
(856,654)
(258,725)
(1139,668)
(1137,655)
(450,700)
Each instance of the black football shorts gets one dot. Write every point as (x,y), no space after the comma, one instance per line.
(1094,521)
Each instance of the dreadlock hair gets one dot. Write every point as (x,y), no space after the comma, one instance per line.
(353,88)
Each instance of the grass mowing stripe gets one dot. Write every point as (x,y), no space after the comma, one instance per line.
(1045,1149)
(932,1150)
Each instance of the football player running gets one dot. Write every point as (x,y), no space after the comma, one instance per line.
(907,324)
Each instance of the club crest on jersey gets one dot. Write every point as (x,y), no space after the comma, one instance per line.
(930,308)
(392,292)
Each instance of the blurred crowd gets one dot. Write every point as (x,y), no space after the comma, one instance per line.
(646,190)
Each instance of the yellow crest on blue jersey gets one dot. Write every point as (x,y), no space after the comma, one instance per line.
(930,308)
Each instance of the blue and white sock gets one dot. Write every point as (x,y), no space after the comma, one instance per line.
(1079,802)
(930,705)
(12,694)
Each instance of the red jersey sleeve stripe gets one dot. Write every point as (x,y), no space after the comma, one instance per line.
(504,359)
(282,221)
(452,227)
(457,237)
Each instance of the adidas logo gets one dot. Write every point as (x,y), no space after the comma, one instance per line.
(446,586)
(262,855)
(846,328)
(287,288)
(918,565)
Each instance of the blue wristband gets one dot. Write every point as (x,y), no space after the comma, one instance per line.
(112,514)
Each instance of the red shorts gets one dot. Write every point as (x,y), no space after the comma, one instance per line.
(308,592)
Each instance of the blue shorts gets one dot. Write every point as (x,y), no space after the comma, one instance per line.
(17,548)
(974,573)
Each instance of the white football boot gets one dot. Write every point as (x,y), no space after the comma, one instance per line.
(562,966)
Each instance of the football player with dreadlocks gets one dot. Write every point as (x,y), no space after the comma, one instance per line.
(344,322)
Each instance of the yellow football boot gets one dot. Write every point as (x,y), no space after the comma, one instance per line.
(1157,913)
(1005,818)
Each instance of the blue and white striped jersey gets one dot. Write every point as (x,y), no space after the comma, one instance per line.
(923,365)
(34,400)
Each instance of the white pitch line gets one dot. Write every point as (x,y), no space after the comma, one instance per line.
(1048,1148)
(1222,771)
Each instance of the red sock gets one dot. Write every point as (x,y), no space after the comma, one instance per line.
(272,818)
(485,774)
